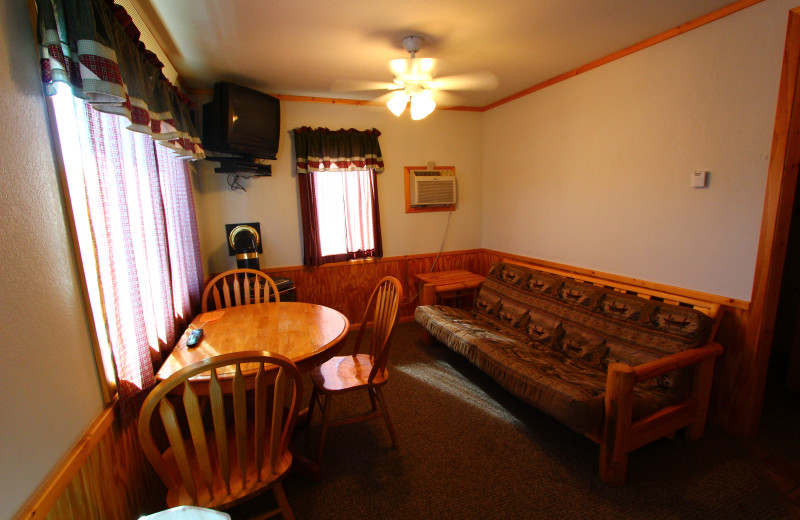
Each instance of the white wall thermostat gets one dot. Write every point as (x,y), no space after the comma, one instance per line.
(699,179)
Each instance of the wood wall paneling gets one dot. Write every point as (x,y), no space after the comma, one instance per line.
(738,386)
(346,286)
(104,477)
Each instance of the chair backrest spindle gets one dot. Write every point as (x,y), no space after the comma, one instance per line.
(220,429)
(198,435)
(170,422)
(237,290)
(240,422)
(260,417)
(238,287)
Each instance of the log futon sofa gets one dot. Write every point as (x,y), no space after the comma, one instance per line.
(623,365)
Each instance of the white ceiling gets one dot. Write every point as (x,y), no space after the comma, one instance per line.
(301,47)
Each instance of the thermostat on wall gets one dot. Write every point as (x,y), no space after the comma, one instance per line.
(699,179)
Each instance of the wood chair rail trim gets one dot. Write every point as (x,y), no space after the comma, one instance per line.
(57,481)
(709,308)
(633,283)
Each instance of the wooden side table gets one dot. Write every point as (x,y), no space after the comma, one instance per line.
(447,283)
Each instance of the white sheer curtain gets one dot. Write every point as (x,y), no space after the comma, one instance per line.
(132,204)
(344,211)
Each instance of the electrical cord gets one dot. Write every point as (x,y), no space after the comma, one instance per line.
(444,238)
(441,248)
(233,183)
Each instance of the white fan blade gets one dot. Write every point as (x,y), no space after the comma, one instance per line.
(446,99)
(355,85)
(383,98)
(482,80)
(413,67)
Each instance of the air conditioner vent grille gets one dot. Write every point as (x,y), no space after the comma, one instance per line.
(434,190)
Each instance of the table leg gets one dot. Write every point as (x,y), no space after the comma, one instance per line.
(427,294)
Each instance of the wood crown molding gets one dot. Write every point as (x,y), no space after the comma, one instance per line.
(666,35)
(649,42)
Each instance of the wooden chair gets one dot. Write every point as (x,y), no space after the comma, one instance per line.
(213,463)
(239,287)
(361,371)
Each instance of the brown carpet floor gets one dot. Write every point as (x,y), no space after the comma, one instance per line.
(470,450)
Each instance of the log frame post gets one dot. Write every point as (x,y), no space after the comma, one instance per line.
(617,425)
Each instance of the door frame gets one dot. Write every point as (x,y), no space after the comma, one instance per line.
(775,223)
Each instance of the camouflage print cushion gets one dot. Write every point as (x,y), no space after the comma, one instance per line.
(550,339)
(595,324)
(561,384)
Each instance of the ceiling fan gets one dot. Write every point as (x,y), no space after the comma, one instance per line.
(414,82)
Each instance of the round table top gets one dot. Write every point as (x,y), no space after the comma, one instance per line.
(303,332)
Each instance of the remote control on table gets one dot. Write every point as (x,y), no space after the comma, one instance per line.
(194,338)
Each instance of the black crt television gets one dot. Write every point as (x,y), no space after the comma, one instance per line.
(242,121)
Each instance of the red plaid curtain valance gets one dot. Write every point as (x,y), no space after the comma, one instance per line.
(322,149)
(94,47)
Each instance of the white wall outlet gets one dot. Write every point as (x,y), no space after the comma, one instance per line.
(699,179)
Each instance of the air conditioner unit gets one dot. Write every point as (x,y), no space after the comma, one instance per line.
(433,189)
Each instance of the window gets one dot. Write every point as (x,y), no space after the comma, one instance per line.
(129,198)
(338,193)
(344,212)
(133,215)
(343,222)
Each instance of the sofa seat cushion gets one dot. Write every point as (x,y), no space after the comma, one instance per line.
(595,324)
(569,388)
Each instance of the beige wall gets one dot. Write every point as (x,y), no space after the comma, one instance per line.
(449,138)
(49,392)
(602,161)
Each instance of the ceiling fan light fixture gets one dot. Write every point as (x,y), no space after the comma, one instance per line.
(414,82)
(422,104)
(397,103)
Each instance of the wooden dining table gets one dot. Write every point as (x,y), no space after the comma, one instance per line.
(306,333)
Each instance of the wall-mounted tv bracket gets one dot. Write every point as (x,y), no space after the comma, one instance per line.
(240,166)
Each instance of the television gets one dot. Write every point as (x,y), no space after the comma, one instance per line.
(242,121)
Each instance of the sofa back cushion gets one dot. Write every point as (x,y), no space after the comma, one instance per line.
(597,325)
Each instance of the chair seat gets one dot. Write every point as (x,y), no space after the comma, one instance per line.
(345,373)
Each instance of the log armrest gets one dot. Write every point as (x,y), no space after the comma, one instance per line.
(621,434)
(673,362)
